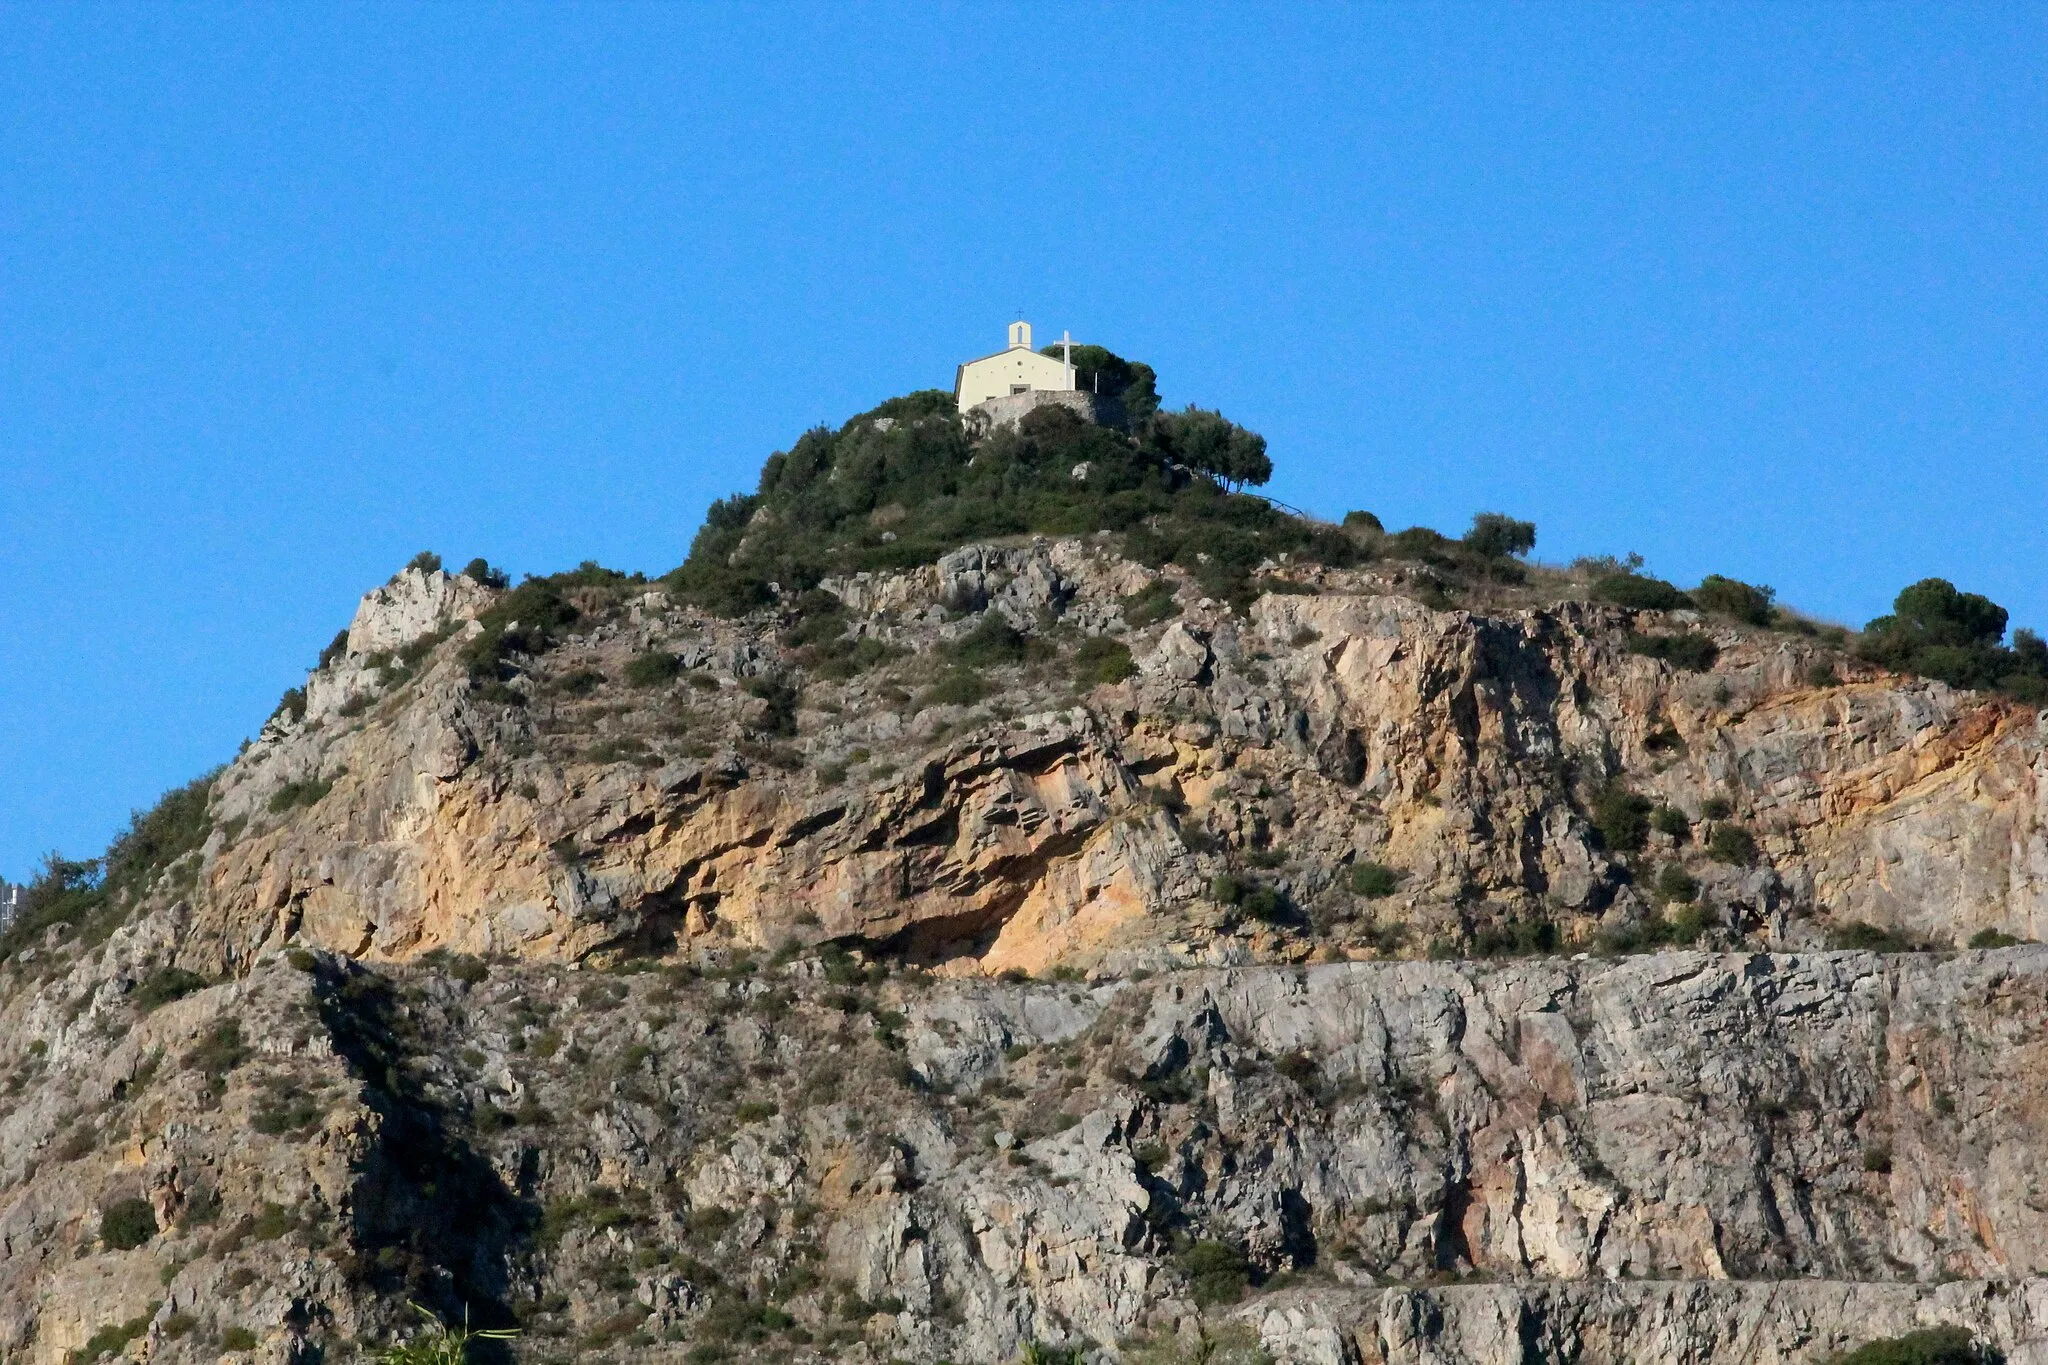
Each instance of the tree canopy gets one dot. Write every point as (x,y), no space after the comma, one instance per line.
(1212,444)
(1099,370)
(1937,630)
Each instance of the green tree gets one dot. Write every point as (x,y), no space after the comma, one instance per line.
(1937,630)
(1214,445)
(1498,537)
(1099,370)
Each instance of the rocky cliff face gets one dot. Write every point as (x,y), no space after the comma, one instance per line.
(1026,949)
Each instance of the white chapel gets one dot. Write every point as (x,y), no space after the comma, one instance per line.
(1015,370)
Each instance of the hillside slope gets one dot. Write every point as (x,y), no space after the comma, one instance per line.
(1352,953)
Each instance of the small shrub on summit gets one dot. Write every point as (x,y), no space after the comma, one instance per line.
(479,570)
(1359,520)
(127,1224)
(1640,592)
(1732,597)
(426,561)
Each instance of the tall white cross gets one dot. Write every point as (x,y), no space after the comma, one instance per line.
(1067,340)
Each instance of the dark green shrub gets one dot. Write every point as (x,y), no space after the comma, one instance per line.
(1728,843)
(1420,542)
(1155,604)
(905,483)
(1515,938)
(291,707)
(1494,536)
(1359,520)
(1640,592)
(1265,904)
(1928,1346)
(1674,883)
(426,561)
(653,669)
(1101,660)
(218,1051)
(238,1339)
(1621,817)
(1679,929)
(960,687)
(1226,889)
(164,985)
(1373,880)
(580,682)
(527,620)
(285,1113)
(337,648)
(1732,597)
(1217,1272)
(480,570)
(111,1341)
(1993,938)
(994,641)
(1715,808)
(294,794)
(1689,650)
(1670,820)
(1822,674)
(1856,936)
(778,717)
(127,1224)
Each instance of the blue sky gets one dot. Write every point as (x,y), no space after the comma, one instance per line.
(288,293)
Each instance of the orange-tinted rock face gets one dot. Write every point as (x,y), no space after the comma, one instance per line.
(1049,825)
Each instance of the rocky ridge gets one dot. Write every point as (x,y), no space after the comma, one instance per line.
(673,996)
